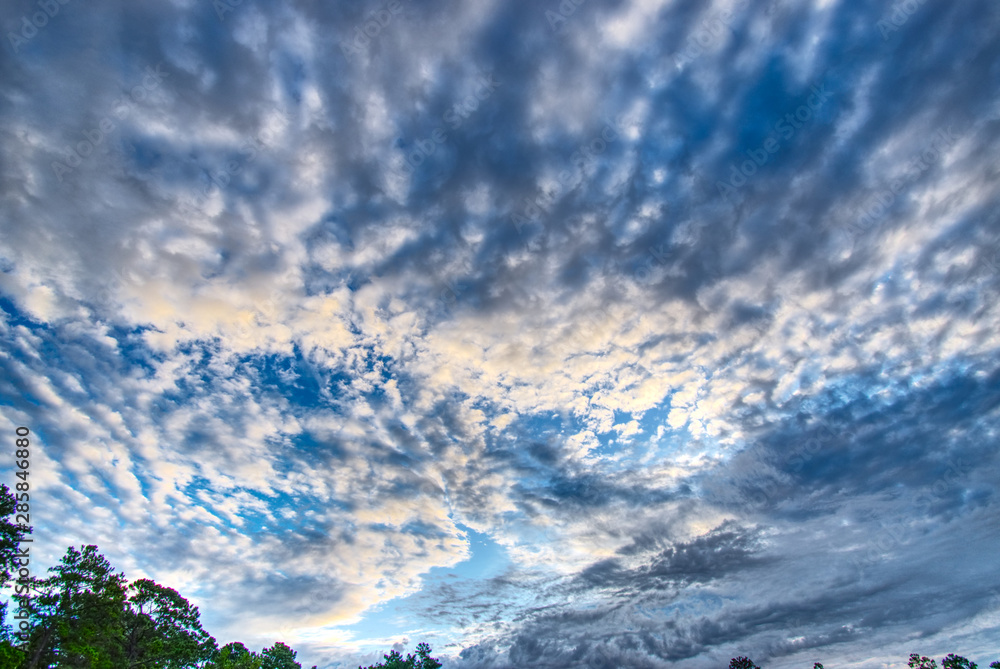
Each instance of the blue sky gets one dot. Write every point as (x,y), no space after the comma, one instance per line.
(599,333)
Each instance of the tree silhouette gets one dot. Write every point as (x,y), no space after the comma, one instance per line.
(952,661)
(426,661)
(394,660)
(921,662)
(279,656)
(235,656)
(161,629)
(77,612)
(742,662)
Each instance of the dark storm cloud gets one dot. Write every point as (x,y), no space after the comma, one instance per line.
(726,549)
(879,573)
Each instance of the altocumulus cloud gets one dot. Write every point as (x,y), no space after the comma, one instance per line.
(541,400)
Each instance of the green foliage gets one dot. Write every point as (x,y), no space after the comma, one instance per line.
(235,656)
(426,661)
(921,662)
(393,660)
(11,536)
(279,656)
(952,661)
(85,615)
(817,665)
(742,663)
(10,655)
(161,629)
(77,613)
(422,660)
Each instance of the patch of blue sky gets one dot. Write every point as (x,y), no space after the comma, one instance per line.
(401,616)
(15,316)
(543,438)
(133,349)
(654,438)
(528,429)
(306,446)
(62,347)
(695,603)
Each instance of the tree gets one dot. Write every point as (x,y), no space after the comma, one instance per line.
(162,629)
(85,615)
(952,661)
(426,661)
(77,614)
(11,560)
(393,660)
(422,660)
(921,662)
(11,536)
(279,656)
(742,663)
(234,656)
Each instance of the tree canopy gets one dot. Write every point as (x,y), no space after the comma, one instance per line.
(422,660)
(742,663)
(84,614)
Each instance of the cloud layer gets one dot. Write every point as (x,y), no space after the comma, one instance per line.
(689,308)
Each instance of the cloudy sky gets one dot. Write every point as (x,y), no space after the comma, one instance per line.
(597,333)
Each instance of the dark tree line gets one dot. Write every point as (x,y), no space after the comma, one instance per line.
(950,661)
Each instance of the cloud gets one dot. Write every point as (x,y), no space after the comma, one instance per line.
(272,363)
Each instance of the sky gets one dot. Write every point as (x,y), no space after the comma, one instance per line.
(579,333)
